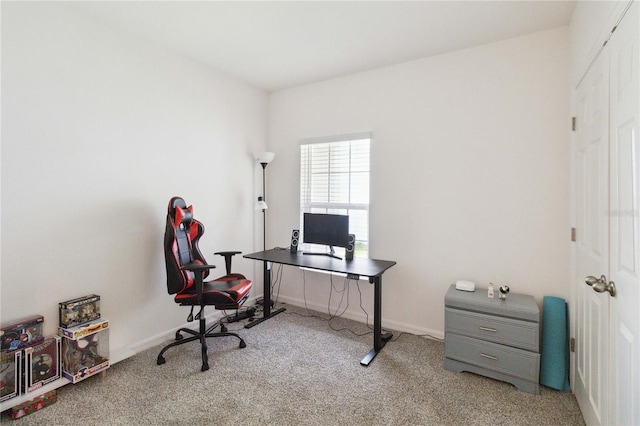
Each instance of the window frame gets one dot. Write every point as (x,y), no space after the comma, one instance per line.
(363,243)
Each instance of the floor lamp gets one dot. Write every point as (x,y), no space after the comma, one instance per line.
(263,158)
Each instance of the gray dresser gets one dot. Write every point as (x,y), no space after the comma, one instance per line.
(492,337)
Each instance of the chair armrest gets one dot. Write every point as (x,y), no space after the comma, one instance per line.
(227,258)
(197,267)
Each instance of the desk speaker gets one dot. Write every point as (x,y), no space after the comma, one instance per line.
(350,248)
(295,238)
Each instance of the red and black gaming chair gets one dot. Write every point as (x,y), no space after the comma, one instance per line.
(186,270)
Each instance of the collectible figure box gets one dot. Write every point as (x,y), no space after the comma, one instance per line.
(42,363)
(85,350)
(34,405)
(79,311)
(84,329)
(21,333)
(10,372)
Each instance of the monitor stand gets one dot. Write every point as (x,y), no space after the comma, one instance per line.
(332,253)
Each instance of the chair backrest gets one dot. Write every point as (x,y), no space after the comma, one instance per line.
(181,237)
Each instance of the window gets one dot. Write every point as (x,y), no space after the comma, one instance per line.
(334,178)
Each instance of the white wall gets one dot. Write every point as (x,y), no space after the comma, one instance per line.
(99,130)
(470,174)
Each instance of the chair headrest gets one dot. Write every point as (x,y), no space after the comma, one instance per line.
(179,212)
(176,202)
(183,216)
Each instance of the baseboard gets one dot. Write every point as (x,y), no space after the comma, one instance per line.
(123,353)
(359,316)
(120,354)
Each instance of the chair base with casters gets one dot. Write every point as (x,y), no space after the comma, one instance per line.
(232,285)
(200,335)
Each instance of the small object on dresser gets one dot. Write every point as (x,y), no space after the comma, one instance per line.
(504,290)
(465,285)
(490,291)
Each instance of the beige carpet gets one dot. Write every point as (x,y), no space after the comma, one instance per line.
(297,370)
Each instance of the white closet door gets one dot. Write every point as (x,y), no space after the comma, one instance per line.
(624,217)
(607,362)
(592,238)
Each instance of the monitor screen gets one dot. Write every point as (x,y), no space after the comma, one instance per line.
(327,229)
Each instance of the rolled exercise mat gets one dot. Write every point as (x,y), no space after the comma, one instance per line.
(554,355)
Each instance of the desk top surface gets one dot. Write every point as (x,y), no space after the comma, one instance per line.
(358,266)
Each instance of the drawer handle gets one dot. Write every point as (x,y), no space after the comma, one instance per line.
(489,356)
(488,329)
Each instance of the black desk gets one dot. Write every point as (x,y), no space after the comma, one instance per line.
(371,268)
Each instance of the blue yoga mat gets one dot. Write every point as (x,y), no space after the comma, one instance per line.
(554,354)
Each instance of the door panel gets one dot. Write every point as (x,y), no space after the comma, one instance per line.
(623,217)
(592,309)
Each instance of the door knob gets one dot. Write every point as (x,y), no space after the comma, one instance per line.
(600,285)
(591,280)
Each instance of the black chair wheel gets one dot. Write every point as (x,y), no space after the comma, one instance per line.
(161,360)
(243,344)
(178,336)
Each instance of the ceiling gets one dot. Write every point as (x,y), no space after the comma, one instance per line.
(275,45)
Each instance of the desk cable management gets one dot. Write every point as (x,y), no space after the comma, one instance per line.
(336,314)
(277,281)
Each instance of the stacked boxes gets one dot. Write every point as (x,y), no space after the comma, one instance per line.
(16,338)
(85,338)
(28,361)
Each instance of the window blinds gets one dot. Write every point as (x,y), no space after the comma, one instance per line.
(334,178)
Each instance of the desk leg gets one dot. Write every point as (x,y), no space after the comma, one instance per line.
(266,291)
(379,339)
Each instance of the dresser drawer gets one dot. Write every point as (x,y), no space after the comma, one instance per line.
(507,331)
(492,356)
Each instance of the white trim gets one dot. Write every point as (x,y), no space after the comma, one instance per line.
(337,138)
(603,38)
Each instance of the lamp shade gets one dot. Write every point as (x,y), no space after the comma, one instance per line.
(264,157)
(261,204)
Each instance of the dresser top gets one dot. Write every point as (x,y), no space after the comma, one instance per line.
(517,306)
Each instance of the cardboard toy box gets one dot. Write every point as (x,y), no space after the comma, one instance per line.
(38,403)
(79,311)
(42,363)
(85,350)
(10,373)
(20,333)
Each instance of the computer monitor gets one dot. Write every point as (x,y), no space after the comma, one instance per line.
(328,229)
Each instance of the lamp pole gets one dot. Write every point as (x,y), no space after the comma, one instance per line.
(264,211)
(263,158)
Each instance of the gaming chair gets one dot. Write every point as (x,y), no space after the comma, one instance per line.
(186,270)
